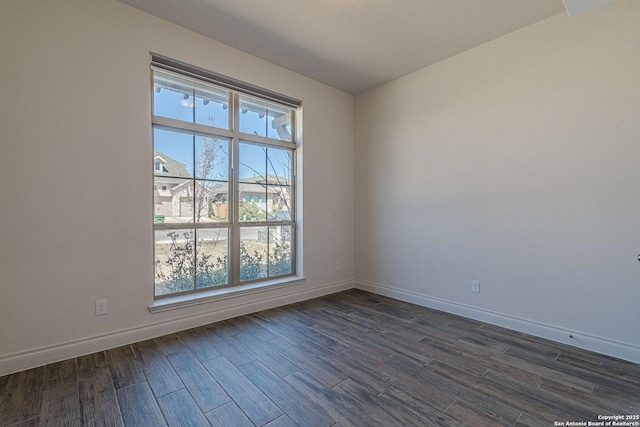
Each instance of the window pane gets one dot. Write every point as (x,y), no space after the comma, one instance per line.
(279,166)
(220,202)
(174,266)
(279,122)
(172,97)
(251,187)
(253,116)
(184,100)
(253,163)
(172,200)
(261,118)
(174,151)
(194,186)
(280,250)
(212,267)
(253,253)
(279,203)
(211,203)
(212,158)
(253,207)
(212,107)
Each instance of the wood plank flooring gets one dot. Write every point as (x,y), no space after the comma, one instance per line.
(347,359)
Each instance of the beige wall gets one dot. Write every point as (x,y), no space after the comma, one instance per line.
(76,209)
(517,164)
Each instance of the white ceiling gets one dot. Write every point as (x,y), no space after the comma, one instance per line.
(353,45)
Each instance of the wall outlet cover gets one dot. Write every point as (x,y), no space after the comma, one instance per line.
(475,286)
(101,307)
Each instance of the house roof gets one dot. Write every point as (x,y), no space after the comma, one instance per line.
(246,187)
(174,167)
(268,179)
(256,184)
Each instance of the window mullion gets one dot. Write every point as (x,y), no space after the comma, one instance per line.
(266,202)
(234,194)
(173,130)
(190,128)
(195,206)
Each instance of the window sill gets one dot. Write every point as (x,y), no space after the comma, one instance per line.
(222,294)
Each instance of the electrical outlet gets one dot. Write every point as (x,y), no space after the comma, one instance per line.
(101,307)
(338,266)
(475,286)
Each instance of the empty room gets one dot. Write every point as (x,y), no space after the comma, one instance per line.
(320,213)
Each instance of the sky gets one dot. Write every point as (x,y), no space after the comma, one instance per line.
(253,159)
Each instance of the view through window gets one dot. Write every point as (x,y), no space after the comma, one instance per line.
(224,188)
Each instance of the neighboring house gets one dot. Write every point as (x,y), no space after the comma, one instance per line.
(270,193)
(174,199)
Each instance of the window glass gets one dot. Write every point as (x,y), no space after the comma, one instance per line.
(182,99)
(173,100)
(212,227)
(212,264)
(172,200)
(212,158)
(174,261)
(212,108)
(279,166)
(174,151)
(253,116)
(253,253)
(261,118)
(265,252)
(279,123)
(280,259)
(211,201)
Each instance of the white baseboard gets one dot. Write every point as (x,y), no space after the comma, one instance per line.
(41,356)
(582,340)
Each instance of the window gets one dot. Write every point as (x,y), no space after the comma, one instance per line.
(226,213)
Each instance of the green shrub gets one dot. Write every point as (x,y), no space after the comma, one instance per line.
(185,265)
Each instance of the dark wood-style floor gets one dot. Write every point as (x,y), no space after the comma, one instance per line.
(352,358)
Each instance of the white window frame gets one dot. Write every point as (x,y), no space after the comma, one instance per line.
(237,90)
